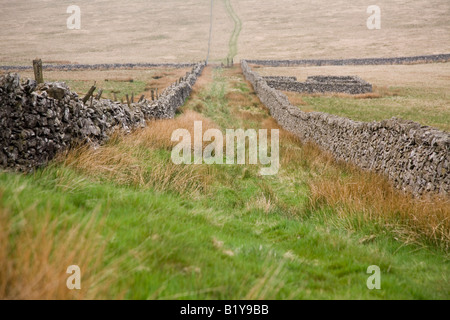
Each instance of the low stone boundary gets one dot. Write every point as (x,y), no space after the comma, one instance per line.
(353,62)
(39,121)
(110,66)
(321,84)
(415,158)
(279,78)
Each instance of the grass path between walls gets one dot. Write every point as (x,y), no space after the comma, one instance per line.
(153,230)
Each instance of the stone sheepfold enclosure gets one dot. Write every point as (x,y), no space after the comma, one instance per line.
(415,158)
(321,84)
(38,121)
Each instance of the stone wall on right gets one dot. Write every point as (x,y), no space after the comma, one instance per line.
(413,157)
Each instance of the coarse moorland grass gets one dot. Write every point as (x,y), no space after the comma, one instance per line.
(225,232)
(38,243)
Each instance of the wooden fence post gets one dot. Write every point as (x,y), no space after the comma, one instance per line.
(89,94)
(99,95)
(38,74)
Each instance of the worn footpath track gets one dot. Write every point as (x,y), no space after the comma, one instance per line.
(233,44)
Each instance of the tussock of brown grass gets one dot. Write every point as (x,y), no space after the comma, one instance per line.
(262,203)
(294,153)
(203,81)
(130,159)
(35,255)
(371,197)
(158,133)
(248,115)
(308,156)
(384,91)
(295,98)
(236,98)
(378,92)
(246,107)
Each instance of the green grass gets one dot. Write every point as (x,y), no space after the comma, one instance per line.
(423,105)
(224,243)
(167,245)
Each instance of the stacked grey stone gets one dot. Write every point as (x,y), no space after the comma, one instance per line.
(39,121)
(103,66)
(279,78)
(321,84)
(415,158)
(353,62)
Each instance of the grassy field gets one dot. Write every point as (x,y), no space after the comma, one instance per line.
(143,228)
(177,30)
(412,92)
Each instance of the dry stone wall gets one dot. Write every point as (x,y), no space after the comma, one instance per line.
(354,62)
(415,158)
(39,121)
(321,84)
(102,66)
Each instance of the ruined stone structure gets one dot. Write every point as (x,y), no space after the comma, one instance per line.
(321,84)
(415,158)
(39,121)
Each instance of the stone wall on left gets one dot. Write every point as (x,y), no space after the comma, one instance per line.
(37,122)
